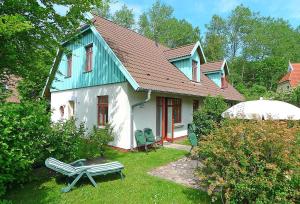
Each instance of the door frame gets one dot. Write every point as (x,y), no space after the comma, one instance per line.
(165,119)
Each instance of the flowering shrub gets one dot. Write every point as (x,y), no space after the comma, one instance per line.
(209,115)
(252,162)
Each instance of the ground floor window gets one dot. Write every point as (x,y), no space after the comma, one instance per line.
(71,109)
(177,110)
(159,112)
(102,110)
(195,105)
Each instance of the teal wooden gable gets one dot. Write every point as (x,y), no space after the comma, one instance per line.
(105,67)
(185,65)
(215,77)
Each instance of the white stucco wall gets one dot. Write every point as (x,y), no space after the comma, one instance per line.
(284,86)
(121,97)
(86,108)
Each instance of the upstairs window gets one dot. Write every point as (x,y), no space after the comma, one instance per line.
(89,58)
(224,83)
(102,110)
(194,70)
(69,69)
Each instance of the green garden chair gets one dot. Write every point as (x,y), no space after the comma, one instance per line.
(192,137)
(141,139)
(77,169)
(150,137)
(191,128)
(193,140)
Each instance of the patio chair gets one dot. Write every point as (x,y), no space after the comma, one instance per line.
(141,139)
(193,140)
(150,137)
(191,128)
(77,169)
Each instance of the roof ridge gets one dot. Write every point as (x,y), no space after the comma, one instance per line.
(180,47)
(129,30)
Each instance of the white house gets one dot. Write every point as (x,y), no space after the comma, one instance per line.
(110,74)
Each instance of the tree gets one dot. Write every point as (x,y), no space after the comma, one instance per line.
(124,17)
(103,10)
(31,31)
(215,39)
(258,48)
(159,24)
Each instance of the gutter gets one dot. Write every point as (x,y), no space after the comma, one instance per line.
(132,115)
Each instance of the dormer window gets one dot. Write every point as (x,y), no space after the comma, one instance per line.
(224,83)
(89,58)
(194,70)
(69,69)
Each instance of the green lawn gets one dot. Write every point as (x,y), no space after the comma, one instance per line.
(183,141)
(137,187)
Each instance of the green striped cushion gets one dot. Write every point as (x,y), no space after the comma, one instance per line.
(59,166)
(105,167)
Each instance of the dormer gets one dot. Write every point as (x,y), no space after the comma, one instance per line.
(188,59)
(217,72)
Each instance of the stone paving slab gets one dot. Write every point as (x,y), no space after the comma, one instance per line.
(181,171)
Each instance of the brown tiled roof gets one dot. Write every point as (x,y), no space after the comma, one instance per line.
(293,76)
(178,52)
(146,62)
(212,66)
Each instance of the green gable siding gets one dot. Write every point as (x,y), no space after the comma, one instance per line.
(215,77)
(185,65)
(104,69)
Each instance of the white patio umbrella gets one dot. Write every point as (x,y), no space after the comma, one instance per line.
(263,109)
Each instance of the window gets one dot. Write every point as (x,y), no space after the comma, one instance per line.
(89,58)
(195,105)
(159,112)
(69,59)
(102,110)
(177,110)
(194,70)
(224,83)
(62,111)
(71,109)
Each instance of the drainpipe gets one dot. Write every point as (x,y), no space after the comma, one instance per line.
(131,117)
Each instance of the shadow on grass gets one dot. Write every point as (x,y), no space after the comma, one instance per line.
(196,196)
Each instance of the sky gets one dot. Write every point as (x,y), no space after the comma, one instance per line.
(199,12)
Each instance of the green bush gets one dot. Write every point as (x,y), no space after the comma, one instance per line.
(252,162)
(209,115)
(28,138)
(101,137)
(64,141)
(23,128)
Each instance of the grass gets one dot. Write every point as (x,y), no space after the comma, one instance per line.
(183,141)
(137,187)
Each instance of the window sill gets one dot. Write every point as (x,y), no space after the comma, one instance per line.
(66,77)
(85,72)
(101,126)
(178,125)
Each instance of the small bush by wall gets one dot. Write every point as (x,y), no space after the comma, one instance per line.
(101,137)
(252,162)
